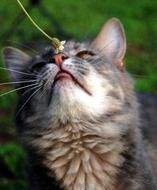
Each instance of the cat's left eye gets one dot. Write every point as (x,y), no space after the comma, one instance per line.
(85,54)
(37,66)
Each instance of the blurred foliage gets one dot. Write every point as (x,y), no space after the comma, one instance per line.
(12,165)
(80,20)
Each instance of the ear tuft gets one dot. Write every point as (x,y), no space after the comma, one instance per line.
(111,41)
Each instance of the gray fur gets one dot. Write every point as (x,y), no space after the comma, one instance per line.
(84,138)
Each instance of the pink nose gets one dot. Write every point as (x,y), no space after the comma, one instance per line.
(59,58)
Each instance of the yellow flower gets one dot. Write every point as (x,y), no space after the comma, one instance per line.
(61,46)
(58,45)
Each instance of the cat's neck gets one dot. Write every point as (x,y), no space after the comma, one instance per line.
(80,159)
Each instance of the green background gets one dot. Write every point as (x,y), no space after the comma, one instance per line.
(79,20)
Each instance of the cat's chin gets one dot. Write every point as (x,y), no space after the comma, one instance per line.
(71,100)
(69,88)
(63,77)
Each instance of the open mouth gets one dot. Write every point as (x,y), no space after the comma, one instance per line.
(65,75)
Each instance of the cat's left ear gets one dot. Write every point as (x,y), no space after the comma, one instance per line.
(111,41)
(15,61)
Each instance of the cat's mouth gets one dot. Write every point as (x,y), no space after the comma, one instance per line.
(66,75)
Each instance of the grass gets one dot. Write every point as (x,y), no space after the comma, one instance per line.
(81,20)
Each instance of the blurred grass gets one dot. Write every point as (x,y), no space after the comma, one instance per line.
(81,20)
(12,157)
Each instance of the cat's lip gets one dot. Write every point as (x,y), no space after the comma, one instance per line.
(62,76)
(66,75)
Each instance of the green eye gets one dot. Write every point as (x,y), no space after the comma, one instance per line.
(85,54)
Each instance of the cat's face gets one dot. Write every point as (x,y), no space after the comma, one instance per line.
(84,81)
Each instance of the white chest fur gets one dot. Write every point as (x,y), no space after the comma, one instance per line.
(81,161)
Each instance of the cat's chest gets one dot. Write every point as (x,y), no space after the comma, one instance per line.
(80,161)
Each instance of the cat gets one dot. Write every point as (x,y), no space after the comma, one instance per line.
(78,116)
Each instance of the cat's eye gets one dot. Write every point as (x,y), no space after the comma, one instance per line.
(85,54)
(37,66)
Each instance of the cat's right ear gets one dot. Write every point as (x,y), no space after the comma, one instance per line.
(15,61)
(111,42)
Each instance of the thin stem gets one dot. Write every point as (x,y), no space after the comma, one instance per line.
(55,41)
(33,22)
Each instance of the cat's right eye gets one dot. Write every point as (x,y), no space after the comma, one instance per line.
(37,66)
(84,54)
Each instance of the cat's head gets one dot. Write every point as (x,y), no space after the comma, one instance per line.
(85,81)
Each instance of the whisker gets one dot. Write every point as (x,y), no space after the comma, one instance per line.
(79,69)
(22,45)
(37,85)
(78,66)
(17,82)
(45,87)
(42,93)
(106,45)
(20,72)
(27,101)
(16,90)
(140,76)
(101,50)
